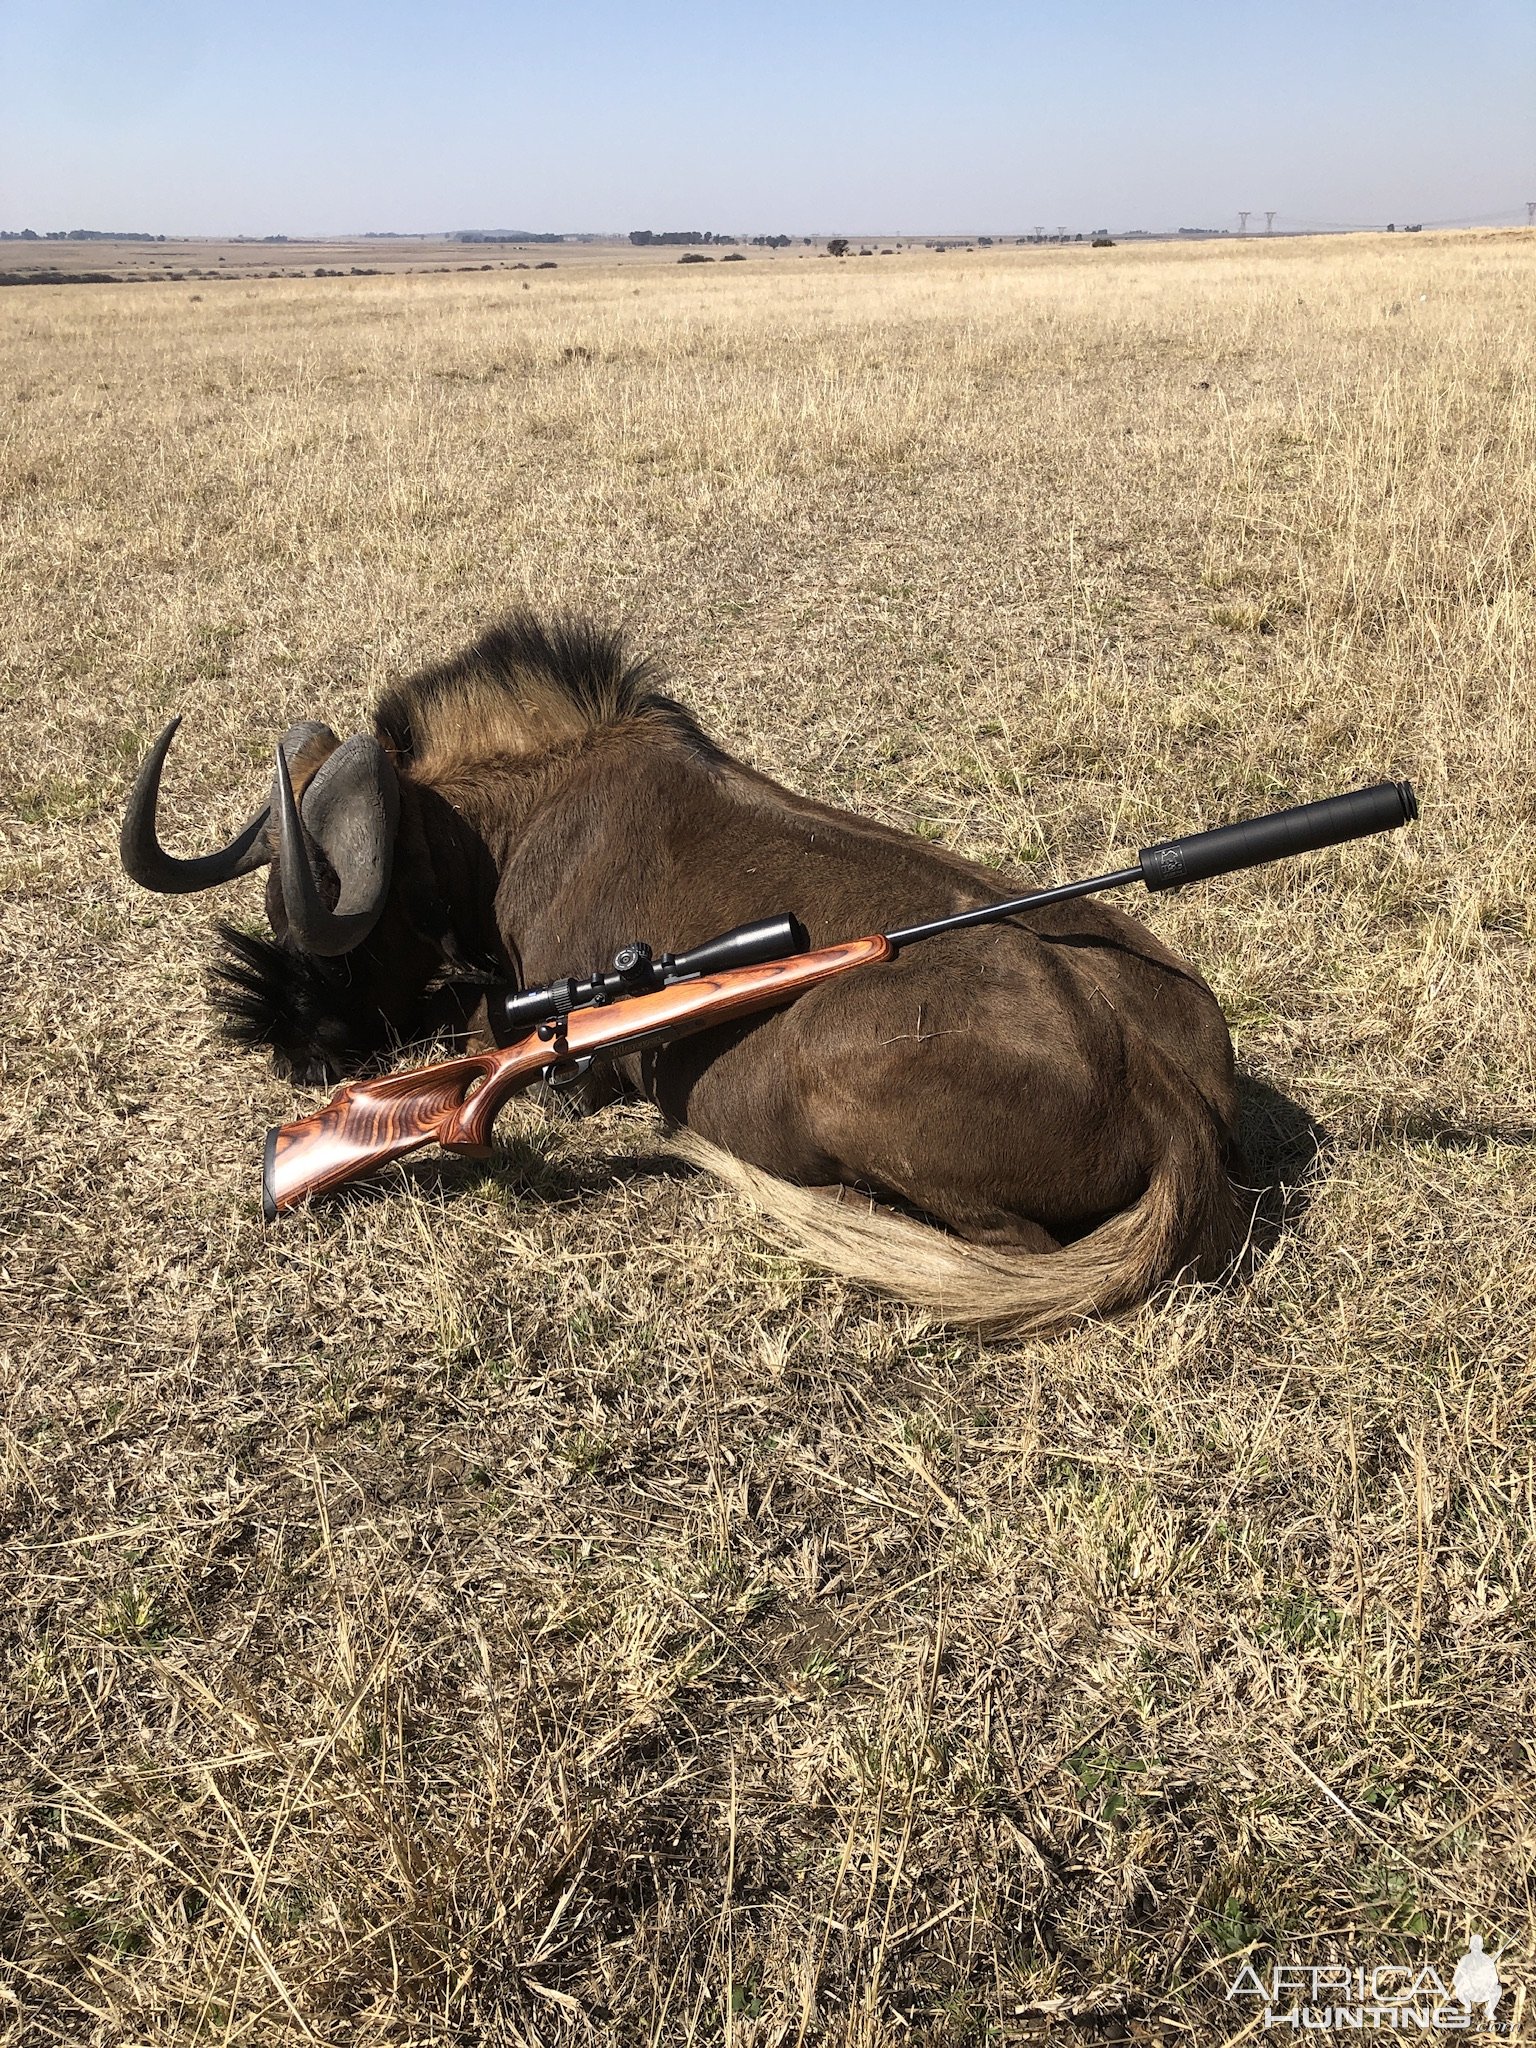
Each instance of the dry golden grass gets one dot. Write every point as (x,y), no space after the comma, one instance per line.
(515,1605)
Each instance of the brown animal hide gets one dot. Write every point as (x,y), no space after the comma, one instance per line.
(1056,1091)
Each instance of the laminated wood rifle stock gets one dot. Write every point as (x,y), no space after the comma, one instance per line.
(455,1104)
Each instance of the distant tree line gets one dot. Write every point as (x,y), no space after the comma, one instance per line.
(701,238)
(74,235)
(677,238)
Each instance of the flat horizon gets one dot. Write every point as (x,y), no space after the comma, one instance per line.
(746,237)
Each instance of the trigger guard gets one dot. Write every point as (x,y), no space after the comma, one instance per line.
(566,1073)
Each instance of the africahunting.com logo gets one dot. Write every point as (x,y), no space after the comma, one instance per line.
(1333,1997)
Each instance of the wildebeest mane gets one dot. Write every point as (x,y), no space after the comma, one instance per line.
(312,1014)
(522,686)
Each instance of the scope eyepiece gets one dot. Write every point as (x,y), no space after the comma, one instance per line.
(513,1013)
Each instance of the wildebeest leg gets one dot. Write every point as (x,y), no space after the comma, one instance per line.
(1007,1113)
(759,1110)
(1004,1230)
(997,1228)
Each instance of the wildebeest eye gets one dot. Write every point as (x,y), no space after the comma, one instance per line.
(315,1015)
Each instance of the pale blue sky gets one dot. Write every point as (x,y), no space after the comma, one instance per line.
(340,116)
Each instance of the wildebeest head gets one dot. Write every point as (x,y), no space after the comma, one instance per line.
(362,955)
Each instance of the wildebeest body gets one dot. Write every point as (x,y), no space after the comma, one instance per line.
(1006,1080)
(1057,1090)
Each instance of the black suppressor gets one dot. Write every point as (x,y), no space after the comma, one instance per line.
(1381,808)
(513,1013)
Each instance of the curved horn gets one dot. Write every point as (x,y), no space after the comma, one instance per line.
(351,810)
(147,861)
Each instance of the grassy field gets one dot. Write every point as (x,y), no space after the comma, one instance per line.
(526,1607)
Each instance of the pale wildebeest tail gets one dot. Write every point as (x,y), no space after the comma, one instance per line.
(1189,1219)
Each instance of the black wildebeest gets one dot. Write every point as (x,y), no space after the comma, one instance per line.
(1050,1100)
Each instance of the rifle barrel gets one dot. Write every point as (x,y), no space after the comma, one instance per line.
(989,913)
(1302,829)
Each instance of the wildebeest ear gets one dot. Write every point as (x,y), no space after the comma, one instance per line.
(461,965)
(305,746)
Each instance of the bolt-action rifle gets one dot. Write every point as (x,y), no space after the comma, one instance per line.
(557,1032)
